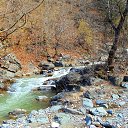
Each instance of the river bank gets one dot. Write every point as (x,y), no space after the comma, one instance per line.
(91,105)
(99,105)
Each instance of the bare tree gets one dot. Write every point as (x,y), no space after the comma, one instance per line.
(120,12)
(15,15)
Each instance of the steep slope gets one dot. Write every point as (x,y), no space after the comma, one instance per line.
(48,27)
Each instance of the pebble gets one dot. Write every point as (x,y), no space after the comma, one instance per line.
(100,102)
(88,120)
(99,111)
(92,126)
(115,96)
(55,125)
(121,103)
(87,102)
(110,112)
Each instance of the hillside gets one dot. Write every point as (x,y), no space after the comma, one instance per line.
(44,28)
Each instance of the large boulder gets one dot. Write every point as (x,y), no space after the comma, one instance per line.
(10,63)
(44,65)
(59,64)
(75,78)
(9,66)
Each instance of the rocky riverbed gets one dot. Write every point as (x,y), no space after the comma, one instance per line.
(82,101)
(99,105)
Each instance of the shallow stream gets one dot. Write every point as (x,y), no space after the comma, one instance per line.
(20,94)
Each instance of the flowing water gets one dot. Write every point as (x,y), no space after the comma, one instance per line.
(20,94)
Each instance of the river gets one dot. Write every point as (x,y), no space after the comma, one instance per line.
(20,94)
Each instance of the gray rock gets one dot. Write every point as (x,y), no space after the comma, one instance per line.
(58,96)
(55,125)
(88,95)
(34,112)
(19,111)
(46,65)
(59,64)
(92,126)
(121,103)
(10,63)
(125,85)
(55,108)
(13,68)
(120,115)
(64,118)
(87,102)
(100,102)
(104,105)
(83,110)
(43,119)
(110,112)
(72,111)
(116,80)
(75,78)
(6,73)
(99,111)
(115,96)
(108,125)
(42,98)
(88,120)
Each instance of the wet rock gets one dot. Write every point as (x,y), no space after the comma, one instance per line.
(75,78)
(17,113)
(99,111)
(88,120)
(87,102)
(52,103)
(46,65)
(58,96)
(59,64)
(42,98)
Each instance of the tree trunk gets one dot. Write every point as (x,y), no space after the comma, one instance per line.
(113,49)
